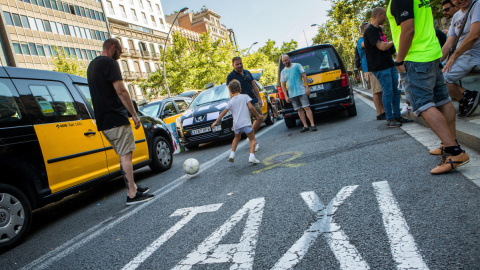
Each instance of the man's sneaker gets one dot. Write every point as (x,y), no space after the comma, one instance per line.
(142,189)
(406,109)
(313,128)
(139,198)
(231,158)
(393,123)
(304,129)
(461,107)
(450,162)
(253,160)
(471,102)
(382,116)
(257,147)
(439,151)
(403,120)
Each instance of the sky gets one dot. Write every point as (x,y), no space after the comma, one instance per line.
(260,20)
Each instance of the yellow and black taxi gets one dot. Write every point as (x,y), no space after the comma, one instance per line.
(327,79)
(193,127)
(50,146)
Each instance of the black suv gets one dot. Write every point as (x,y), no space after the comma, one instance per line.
(50,146)
(327,79)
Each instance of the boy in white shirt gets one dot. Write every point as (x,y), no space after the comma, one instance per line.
(240,106)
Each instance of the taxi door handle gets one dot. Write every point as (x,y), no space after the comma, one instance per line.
(89,133)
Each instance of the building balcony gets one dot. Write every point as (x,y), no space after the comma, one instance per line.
(156,56)
(144,75)
(130,75)
(135,53)
(146,54)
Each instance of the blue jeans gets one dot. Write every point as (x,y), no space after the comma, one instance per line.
(426,86)
(388,79)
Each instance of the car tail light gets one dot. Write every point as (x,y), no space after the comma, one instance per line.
(280,93)
(344,79)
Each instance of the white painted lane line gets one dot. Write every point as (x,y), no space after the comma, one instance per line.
(346,254)
(68,247)
(188,214)
(403,246)
(241,254)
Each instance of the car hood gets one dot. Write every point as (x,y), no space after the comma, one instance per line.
(203,113)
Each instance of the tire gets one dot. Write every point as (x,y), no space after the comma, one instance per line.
(269,120)
(162,155)
(15,216)
(352,111)
(290,122)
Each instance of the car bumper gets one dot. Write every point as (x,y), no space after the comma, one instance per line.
(225,133)
(333,105)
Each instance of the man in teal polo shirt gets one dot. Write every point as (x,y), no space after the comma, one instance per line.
(419,56)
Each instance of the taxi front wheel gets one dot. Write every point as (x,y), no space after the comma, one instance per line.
(162,155)
(15,216)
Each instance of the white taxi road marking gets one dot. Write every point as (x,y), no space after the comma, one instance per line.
(403,247)
(189,214)
(240,255)
(70,246)
(346,254)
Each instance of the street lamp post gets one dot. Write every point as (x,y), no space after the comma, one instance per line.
(234,38)
(165,47)
(251,47)
(305,37)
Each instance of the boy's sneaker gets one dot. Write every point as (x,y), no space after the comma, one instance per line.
(231,158)
(403,120)
(313,128)
(393,123)
(471,102)
(139,198)
(257,147)
(142,189)
(304,129)
(406,109)
(253,160)
(450,162)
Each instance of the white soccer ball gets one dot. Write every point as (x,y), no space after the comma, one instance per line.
(191,166)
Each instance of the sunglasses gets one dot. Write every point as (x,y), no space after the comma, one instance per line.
(446,9)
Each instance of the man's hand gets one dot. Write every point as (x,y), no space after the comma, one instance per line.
(287,99)
(401,69)
(136,120)
(449,64)
(307,90)
(260,102)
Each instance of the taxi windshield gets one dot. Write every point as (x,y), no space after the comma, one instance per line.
(211,95)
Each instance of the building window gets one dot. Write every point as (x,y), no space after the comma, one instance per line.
(87,31)
(33,25)
(54,51)
(77,11)
(72,31)
(78,53)
(84,54)
(8,18)
(147,67)
(46,24)
(16,20)
(131,2)
(87,13)
(152,48)
(16,48)
(40,25)
(102,18)
(82,31)
(110,7)
(72,53)
(53,26)
(40,50)
(134,15)
(25,49)
(25,22)
(33,49)
(144,17)
(67,52)
(158,9)
(47,4)
(54,4)
(60,29)
(40,3)
(47,50)
(77,31)
(153,21)
(60,6)
(141,3)
(149,5)
(82,11)
(122,10)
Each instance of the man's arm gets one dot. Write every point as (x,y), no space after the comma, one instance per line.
(384,46)
(467,43)
(305,81)
(284,89)
(257,93)
(406,37)
(122,93)
(258,117)
(447,46)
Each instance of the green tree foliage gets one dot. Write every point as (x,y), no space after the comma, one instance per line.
(192,65)
(70,66)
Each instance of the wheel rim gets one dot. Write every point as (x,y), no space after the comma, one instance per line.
(270,114)
(163,153)
(12,217)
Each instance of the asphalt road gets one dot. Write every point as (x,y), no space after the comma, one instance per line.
(353,195)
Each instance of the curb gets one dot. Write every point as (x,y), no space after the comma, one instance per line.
(468,129)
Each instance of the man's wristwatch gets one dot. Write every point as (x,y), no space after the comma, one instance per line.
(398,63)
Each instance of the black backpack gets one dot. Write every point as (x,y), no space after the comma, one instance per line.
(358,59)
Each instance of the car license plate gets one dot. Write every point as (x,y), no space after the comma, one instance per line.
(201,130)
(317,87)
(313,95)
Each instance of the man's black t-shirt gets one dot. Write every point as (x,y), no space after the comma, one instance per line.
(377,59)
(245,80)
(109,109)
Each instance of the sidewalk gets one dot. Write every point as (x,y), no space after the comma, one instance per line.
(468,128)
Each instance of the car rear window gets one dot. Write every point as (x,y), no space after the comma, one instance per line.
(315,61)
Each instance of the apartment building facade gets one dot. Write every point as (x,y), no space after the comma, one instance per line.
(33,31)
(140,27)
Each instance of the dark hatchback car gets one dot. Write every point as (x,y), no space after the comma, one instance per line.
(50,146)
(193,127)
(167,109)
(327,79)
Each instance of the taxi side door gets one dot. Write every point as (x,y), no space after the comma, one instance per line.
(73,150)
